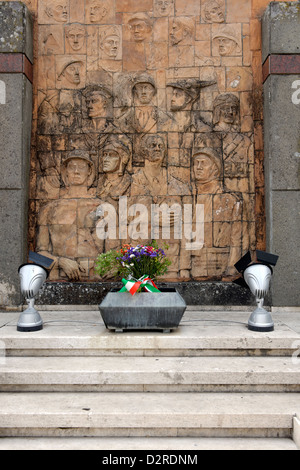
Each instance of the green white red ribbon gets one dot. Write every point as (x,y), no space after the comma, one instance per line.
(133,286)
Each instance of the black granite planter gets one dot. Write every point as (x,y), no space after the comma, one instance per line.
(143,311)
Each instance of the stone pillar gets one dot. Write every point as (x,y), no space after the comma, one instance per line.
(281,72)
(16,58)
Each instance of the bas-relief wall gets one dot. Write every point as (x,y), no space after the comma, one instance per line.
(150,99)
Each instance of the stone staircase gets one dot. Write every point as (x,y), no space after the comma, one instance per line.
(212,384)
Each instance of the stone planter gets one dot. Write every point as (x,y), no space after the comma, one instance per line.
(143,311)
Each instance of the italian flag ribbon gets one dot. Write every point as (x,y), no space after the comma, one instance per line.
(133,286)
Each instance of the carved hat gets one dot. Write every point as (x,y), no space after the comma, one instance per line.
(66,66)
(120,143)
(144,78)
(212,155)
(191,86)
(141,17)
(227,33)
(99,89)
(225,99)
(80,155)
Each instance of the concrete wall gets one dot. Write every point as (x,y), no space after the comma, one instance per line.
(16,57)
(281,30)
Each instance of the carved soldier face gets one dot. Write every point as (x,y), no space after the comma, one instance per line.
(205,169)
(155,151)
(144,93)
(139,29)
(228,113)
(72,73)
(66,103)
(164,7)
(76,37)
(179,99)
(96,105)
(213,13)
(78,171)
(97,12)
(177,33)
(226,46)
(111,46)
(60,12)
(111,161)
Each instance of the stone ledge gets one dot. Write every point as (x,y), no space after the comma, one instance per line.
(194,293)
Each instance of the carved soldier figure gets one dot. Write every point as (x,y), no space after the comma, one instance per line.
(75,36)
(223,229)
(213,12)
(140,26)
(237,147)
(152,179)
(67,225)
(99,107)
(184,95)
(145,116)
(226,42)
(110,43)
(226,113)
(71,74)
(182,31)
(163,7)
(58,10)
(97,11)
(115,181)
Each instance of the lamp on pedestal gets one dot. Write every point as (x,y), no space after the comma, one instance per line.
(32,277)
(257,276)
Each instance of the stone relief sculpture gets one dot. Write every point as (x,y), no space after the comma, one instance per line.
(223,218)
(140,27)
(115,180)
(182,31)
(213,12)
(226,42)
(110,43)
(151,104)
(163,8)
(57,10)
(184,95)
(71,74)
(66,225)
(152,179)
(97,11)
(226,113)
(75,38)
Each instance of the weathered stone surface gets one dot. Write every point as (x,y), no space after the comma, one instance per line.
(13,243)
(281,20)
(282,143)
(285,242)
(149,92)
(16,33)
(15,135)
(194,293)
(281,26)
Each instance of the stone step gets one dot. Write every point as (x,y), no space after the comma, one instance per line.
(145,374)
(148,414)
(147,444)
(200,334)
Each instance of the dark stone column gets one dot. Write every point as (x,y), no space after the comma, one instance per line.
(281,71)
(16,57)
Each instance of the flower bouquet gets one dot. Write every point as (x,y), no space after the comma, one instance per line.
(138,266)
